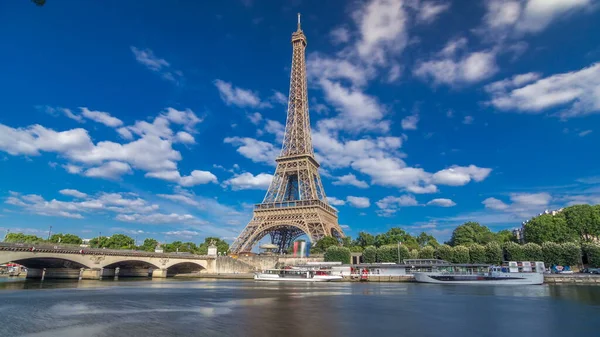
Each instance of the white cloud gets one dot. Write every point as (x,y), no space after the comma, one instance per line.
(460,175)
(495,204)
(430,11)
(156,64)
(575,93)
(239,97)
(101,117)
(109,170)
(442,202)
(340,35)
(531,199)
(182,234)
(255,118)
(335,201)
(73,169)
(247,181)
(389,205)
(184,137)
(358,202)
(125,133)
(196,177)
(188,200)
(468,120)
(410,122)
(255,150)
(538,14)
(279,97)
(67,112)
(513,82)
(350,179)
(73,193)
(523,205)
(275,128)
(584,133)
(320,67)
(159,218)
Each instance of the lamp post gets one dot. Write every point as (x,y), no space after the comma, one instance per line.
(7,232)
(49,232)
(399,252)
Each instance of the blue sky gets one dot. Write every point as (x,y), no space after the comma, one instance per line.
(163,120)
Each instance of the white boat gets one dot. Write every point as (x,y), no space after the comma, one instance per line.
(515,273)
(296,275)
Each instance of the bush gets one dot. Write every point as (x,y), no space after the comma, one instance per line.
(414,254)
(477,253)
(592,253)
(513,252)
(444,252)
(571,254)
(493,253)
(426,252)
(552,253)
(337,254)
(461,254)
(533,252)
(392,253)
(369,255)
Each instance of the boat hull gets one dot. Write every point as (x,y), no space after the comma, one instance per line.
(508,279)
(276,278)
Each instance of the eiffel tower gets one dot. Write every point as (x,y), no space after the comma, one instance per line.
(295,203)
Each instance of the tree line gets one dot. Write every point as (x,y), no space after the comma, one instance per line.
(122,241)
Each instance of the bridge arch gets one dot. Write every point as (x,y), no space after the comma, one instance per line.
(46,260)
(130,263)
(286,232)
(185,267)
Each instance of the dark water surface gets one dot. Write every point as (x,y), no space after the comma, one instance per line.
(248,308)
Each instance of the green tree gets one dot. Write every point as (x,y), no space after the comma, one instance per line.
(584,220)
(392,253)
(493,253)
(347,242)
(149,245)
(549,228)
(337,254)
(119,241)
(461,254)
(326,242)
(571,254)
(66,239)
(413,254)
(477,253)
(426,252)
(444,252)
(533,252)
(222,246)
(369,255)
(180,247)
(364,240)
(553,254)
(425,239)
(592,254)
(504,235)
(22,238)
(470,233)
(513,251)
(395,235)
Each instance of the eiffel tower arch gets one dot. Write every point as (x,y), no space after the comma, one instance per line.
(295,203)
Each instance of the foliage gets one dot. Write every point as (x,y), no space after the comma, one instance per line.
(444,252)
(364,240)
(513,252)
(395,235)
(116,241)
(461,254)
(355,249)
(22,238)
(337,254)
(149,245)
(477,253)
(493,253)
(425,239)
(324,243)
(504,236)
(571,254)
(369,255)
(180,247)
(470,233)
(387,253)
(552,253)
(66,239)
(549,228)
(583,220)
(222,246)
(592,253)
(426,252)
(532,252)
(413,254)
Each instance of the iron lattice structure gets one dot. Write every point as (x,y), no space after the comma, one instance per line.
(295,203)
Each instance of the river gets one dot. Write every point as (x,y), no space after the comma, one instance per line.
(247,308)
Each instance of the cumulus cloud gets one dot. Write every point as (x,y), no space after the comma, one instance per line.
(73,193)
(247,181)
(429,11)
(255,150)
(442,202)
(389,205)
(196,177)
(358,202)
(460,175)
(147,58)
(350,179)
(335,201)
(410,122)
(573,94)
(239,97)
(521,204)
(109,170)
(101,117)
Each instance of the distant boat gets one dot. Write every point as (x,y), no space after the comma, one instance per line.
(513,273)
(296,275)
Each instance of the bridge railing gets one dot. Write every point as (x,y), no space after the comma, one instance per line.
(77,249)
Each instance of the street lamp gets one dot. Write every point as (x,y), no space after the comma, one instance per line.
(49,232)
(399,243)
(7,232)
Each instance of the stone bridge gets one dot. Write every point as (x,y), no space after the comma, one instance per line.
(71,261)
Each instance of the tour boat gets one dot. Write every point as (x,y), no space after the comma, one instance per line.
(514,273)
(296,275)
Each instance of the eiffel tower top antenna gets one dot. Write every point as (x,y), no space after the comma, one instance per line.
(299,22)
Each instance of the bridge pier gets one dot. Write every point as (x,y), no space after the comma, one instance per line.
(159,273)
(52,273)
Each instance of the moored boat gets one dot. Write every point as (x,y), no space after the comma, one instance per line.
(296,275)
(512,273)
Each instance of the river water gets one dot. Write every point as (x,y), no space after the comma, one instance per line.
(247,308)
